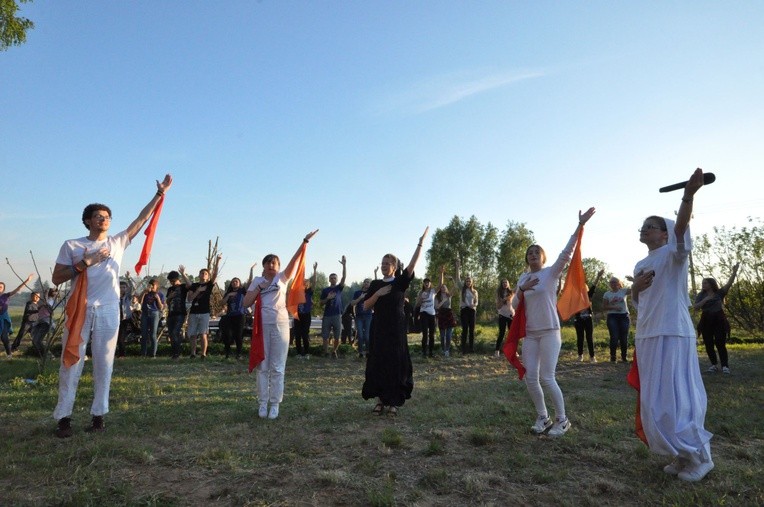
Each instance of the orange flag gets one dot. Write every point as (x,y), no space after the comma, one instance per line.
(575,294)
(256,347)
(149,232)
(514,335)
(633,380)
(76,308)
(296,294)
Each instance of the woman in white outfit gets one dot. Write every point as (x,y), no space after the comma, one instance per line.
(542,342)
(672,396)
(272,288)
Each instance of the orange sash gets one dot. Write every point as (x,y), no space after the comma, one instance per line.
(575,293)
(76,308)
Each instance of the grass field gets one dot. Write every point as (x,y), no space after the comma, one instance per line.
(187,433)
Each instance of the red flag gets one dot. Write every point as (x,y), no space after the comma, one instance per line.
(256,347)
(76,309)
(633,380)
(514,335)
(149,232)
(575,293)
(296,294)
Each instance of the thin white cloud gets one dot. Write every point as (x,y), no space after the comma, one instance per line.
(443,91)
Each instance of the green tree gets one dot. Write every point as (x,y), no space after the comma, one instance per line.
(474,245)
(458,240)
(510,254)
(713,257)
(592,266)
(13,29)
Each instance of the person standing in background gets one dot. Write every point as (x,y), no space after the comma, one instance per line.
(714,326)
(5,320)
(426,304)
(618,322)
(468,310)
(506,313)
(585,326)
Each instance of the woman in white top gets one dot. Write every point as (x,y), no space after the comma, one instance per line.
(542,342)
(272,288)
(468,309)
(672,397)
(446,320)
(614,303)
(506,313)
(426,304)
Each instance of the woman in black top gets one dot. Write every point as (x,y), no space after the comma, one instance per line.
(713,325)
(389,374)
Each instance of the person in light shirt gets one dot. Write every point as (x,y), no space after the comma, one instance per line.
(100,256)
(542,342)
(672,397)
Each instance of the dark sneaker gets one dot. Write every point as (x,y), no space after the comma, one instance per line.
(64,429)
(97,425)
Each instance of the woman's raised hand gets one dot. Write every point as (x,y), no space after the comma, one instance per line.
(424,235)
(584,217)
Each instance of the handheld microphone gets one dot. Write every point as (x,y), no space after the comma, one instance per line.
(708,178)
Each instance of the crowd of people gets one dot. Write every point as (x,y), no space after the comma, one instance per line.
(103,309)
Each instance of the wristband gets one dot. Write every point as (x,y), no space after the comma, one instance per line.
(160,193)
(684,199)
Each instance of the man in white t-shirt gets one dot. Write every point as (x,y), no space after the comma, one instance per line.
(101,256)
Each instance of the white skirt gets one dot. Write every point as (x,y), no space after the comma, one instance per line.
(672,397)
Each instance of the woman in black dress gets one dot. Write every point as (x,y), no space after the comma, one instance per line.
(389,375)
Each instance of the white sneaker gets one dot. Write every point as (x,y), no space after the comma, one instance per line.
(580,358)
(713,369)
(676,466)
(262,412)
(542,424)
(695,472)
(447,353)
(592,359)
(497,354)
(274,412)
(559,428)
(725,370)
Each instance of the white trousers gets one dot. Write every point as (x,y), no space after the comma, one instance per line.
(101,328)
(541,349)
(270,372)
(672,397)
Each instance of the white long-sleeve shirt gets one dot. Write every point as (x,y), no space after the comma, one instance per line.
(541,301)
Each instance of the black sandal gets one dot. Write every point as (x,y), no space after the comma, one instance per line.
(378,409)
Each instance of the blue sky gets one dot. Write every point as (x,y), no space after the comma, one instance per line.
(371,120)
